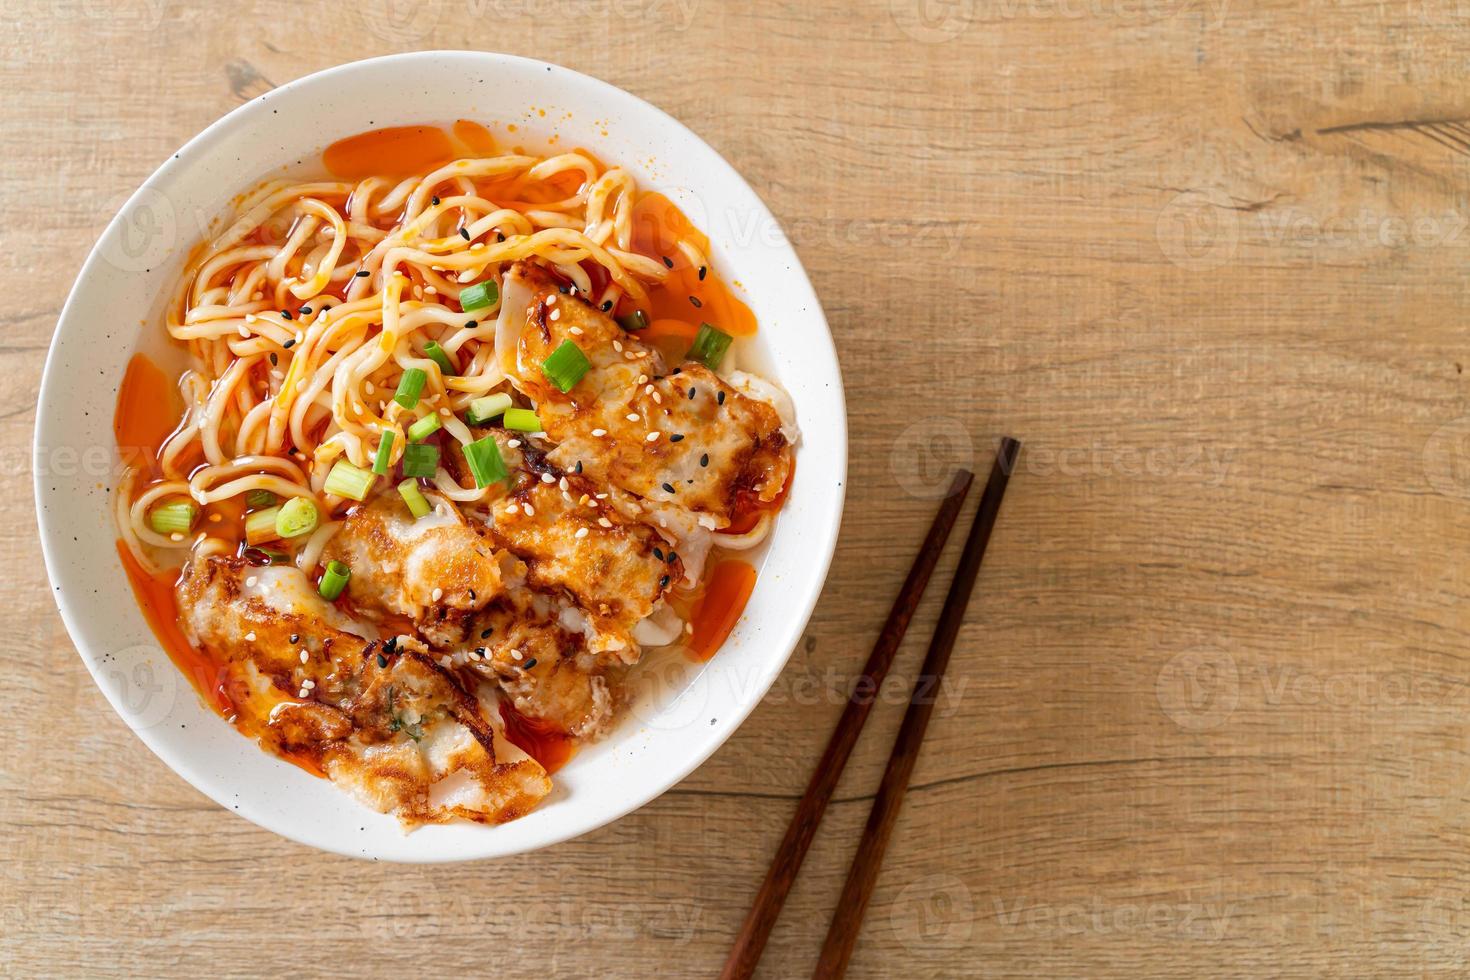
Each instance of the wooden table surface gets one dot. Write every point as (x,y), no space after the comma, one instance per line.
(1209,713)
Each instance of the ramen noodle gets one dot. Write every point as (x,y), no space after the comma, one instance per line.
(464,435)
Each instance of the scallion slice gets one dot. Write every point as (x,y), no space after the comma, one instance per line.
(424,427)
(479,296)
(296,517)
(418,504)
(485,409)
(260,525)
(175,518)
(410,386)
(521,420)
(566,365)
(334,580)
(440,357)
(383,458)
(346,480)
(486,465)
(709,347)
(634,321)
(420,459)
(260,498)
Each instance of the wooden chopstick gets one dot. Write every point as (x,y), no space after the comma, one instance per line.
(792,850)
(848,919)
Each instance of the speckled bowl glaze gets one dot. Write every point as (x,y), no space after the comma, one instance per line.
(681,712)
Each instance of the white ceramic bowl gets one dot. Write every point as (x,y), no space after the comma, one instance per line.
(684,712)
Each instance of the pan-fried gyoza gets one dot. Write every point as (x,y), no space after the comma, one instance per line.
(458,445)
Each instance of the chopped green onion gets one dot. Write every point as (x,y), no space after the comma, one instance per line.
(420,459)
(346,480)
(479,296)
(634,321)
(424,427)
(485,463)
(175,518)
(710,346)
(384,456)
(334,580)
(296,517)
(410,386)
(566,365)
(482,410)
(260,525)
(522,420)
(440,357)
(260,498)
(418,504)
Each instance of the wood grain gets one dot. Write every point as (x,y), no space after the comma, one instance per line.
(1208,715)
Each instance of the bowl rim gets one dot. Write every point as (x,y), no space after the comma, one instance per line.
(788,634)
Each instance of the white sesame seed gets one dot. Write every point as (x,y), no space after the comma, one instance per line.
(303,656)
(515,654)
(555,315)
(476,246)
(657,398)
(513,509)
(642,354)
(547,478)
(431,290)
(642,378)
(436,595)
(604,522)
(176,536)
(551,300)
(514,444)
(689,627)
(647,389)
(244,331)
(445,662)
(618,346)
(308,683)
(250,318)
(653,437)
(444,412)
(628,355)
(250,637)
(602,496)
(302,693)
(368,387)
(566,496)
(575,331)
(632,416)
(581,532)
(530,511)
(250,582)
(599,433)
(562,483)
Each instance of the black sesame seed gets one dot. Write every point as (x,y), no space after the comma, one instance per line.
(274,359)
(720,398)
(663,583)
(673,558)
(579,466)
(668,261)
(305,311)
(704,459)
(472,595)
(382,660)
(485,633)
(434,200)
(695,301)
(287,314)
(702,271)
(692,390)
(289,344)
(677,437)
(668,488)
(361,273)
(530,663)
(658,553)
(499,237)
(480,651)
(606,305)
(677,370)
(471,324)
(295,637)
(464,233)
